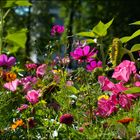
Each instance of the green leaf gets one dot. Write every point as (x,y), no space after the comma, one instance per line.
(135,23)
(101,29)
(132,90)
(23,3)
(135,48)
(89,41)
(128,38)
(12,3)
(86,34)
(107,25)
(18,38)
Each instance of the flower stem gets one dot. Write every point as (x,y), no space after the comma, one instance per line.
(1,29)
(68,134)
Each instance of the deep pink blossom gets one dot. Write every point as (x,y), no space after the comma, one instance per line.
(22,107)
(7,61)
(41,70)
(124,70)
(57,29)
(83,53)
(106,106)
(105,83)
(66,119)
(32,96)
(12,86)
(93,64)
(31,66)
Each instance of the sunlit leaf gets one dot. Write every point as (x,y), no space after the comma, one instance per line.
(23,3)
(135,48)
(101,29)
(132,90)
(128,38)
(135,23)
(86,34)
(19,37)
(12,3)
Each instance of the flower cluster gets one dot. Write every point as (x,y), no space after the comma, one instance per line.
(122,72)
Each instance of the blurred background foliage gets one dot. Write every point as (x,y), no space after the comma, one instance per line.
(75,15)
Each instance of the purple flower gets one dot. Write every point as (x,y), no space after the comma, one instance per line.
(83,54)
(41,70)
(57,29)
(5,61)
(66,119)
(22,107)
(28,82)
(32,96)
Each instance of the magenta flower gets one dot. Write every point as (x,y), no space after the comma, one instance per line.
(32,96)
(41,70)
(12,86)
(137,84)
(57,29)
(83,54)
(93,64)
(124,70)
(23,107)
(66,119)
(7,62)
(106,106)
(31,66)
(105,83)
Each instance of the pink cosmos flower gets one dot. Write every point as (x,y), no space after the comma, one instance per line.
(106,106)
(32,96)
(41,70)
(5,61)
(124,70)
(93,64)
(57,29)
(83,54)
(23,107)
(12,86)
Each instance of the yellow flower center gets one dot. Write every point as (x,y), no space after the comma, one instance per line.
(106,97)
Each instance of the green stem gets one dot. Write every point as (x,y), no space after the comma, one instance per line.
(102,53)
(68,134)
(1,29)
(28,131)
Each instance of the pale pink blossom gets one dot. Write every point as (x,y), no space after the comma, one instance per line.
(33,96)
(12,86)
(40,72)
(124,70)
(22,107)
